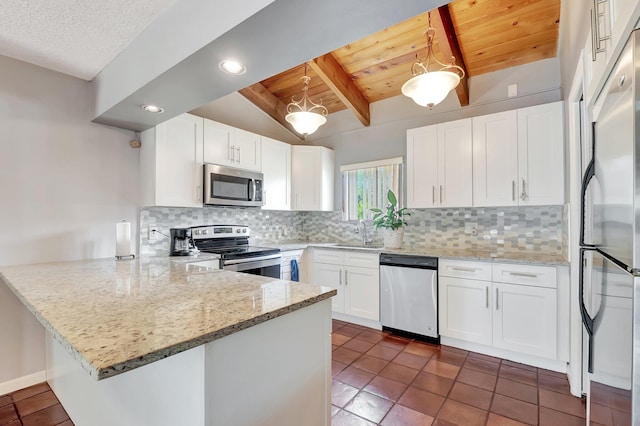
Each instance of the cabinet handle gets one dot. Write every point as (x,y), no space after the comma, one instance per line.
(440,194)
(596,37)
(433,195)
(523,274)
(346,278)
(523,196)
(197,167)
(233,153)
(456,268)
(497,298)
(238,160)
(340,276)
(486,297)
(513,190)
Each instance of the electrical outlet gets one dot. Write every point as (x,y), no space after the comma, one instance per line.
(471,228)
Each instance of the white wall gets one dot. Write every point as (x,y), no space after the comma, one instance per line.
(64,183)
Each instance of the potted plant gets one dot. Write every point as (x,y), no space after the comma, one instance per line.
(392,221)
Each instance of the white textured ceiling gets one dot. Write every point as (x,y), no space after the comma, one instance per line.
(75,37)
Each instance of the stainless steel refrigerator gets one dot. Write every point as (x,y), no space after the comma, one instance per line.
(610,253)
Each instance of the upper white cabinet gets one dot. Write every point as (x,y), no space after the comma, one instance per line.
(518,157)
(312,172)
(495,155)
(541,155)
(276,168)
(439,165)
(171,163)
(229,146)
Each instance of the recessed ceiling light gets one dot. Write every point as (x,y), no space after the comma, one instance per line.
(152,108)
(232,67)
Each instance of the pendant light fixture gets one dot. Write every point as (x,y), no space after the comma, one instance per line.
(305,115)
(429,87)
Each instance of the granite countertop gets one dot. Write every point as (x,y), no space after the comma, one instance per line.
(114,316)
(528,257)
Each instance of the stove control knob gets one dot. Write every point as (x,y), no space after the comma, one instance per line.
(205,231)
(244,231)
(237,231)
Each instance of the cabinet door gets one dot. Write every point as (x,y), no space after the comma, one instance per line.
(465,309)
(179,162)
(218,143)
(495,159)
(422,167)
(247,150)
(455,179)
(525,319)
(276,168)
(331,276)
(541,155)
(362,292)
(306,178)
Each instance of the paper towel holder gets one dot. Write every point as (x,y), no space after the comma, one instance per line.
(123,236)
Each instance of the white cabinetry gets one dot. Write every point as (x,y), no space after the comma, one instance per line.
(518,157)
(228,146)
(276,168)
(507,306)
(355,275)
(171,163)
(285,264)
(439,161)
(312,172)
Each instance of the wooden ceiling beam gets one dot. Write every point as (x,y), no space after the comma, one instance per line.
(334,76)
(258,95)
(443,24)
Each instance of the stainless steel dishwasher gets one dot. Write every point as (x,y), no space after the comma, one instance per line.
(409,294)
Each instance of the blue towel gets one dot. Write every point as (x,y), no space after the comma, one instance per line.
(294,270)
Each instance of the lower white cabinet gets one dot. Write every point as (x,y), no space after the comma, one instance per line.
(464,309)
(285,264)
(513,308)
(355,275)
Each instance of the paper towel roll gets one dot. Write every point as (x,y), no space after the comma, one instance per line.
(123,239)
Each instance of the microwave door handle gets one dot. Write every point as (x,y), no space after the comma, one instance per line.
(252,184)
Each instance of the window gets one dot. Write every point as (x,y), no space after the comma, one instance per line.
(365,186)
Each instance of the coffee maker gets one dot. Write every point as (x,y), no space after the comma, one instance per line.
(181,242)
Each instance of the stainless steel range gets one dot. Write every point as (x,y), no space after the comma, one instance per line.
(231,243)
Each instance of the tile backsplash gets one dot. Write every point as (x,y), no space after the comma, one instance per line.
(498,229)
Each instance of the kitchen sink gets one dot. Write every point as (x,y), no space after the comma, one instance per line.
(360,246)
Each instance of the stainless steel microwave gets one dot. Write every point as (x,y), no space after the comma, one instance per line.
(227,186)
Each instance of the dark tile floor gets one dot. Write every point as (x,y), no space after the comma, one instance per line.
(383,379)
(33,406)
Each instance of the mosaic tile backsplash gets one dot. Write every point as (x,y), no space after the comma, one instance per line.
(498,229)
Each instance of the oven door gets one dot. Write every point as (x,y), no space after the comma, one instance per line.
(226,186)
(266,266)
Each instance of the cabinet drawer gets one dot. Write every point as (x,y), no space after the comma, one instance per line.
(538,276)
(363,260)
(335,257)
(463,269)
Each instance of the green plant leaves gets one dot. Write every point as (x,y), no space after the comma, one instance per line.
(393,218)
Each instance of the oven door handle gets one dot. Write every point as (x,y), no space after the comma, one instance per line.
(252,259)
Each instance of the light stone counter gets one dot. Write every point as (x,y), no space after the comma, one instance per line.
(524,257)
(114,316)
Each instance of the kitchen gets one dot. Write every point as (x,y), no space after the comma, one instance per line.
(47,126)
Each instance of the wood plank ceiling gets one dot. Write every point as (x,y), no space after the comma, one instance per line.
(482,35)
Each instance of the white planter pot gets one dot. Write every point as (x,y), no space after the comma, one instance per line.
(393,239)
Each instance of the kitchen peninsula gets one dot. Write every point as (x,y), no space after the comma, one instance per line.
(160,341)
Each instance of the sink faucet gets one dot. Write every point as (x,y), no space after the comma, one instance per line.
(365,239)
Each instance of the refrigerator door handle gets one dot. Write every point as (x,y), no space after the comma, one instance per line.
(586,180)
(586,318)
